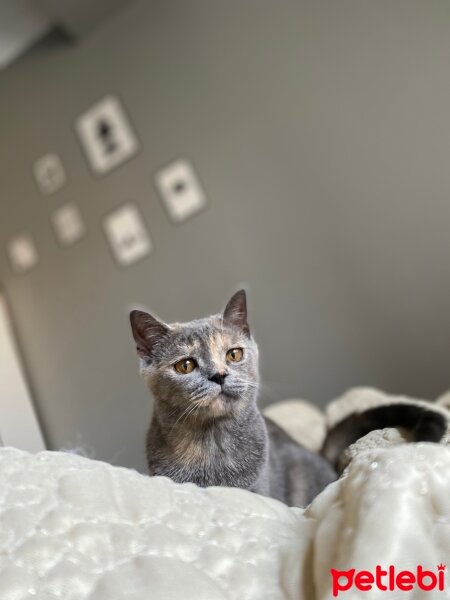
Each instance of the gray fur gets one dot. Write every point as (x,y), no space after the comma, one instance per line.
(212,433)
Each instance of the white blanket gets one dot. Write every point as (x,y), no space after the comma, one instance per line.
(78,529)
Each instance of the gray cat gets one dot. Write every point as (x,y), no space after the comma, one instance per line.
(206,427)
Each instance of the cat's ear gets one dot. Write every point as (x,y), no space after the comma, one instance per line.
(146,332)
(235,312)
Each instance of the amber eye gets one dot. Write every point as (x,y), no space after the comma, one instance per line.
(235,355)
(185,365)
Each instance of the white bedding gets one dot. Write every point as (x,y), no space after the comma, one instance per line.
(79,529)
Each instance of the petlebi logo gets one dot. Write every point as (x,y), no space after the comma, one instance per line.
(388,579)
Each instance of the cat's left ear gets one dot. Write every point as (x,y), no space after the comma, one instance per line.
(235,312)
(146,332)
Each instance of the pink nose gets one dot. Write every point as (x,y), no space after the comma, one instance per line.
(218,378)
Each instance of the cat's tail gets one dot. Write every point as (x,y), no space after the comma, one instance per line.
(425,425)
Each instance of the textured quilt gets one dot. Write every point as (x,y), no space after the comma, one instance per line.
(79,529)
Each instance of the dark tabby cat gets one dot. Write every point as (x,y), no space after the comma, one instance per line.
(206,426)
(424,424)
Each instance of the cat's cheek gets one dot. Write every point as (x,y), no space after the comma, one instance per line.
(149,381)
(145,371)
(149,375)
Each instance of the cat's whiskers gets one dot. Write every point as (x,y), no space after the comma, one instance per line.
(173,412)
(192,413)
(248,383)
(184,413)
(199,396)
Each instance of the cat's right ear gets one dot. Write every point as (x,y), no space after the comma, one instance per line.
(235,312)
(146,332)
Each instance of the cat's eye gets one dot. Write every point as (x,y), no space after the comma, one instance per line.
(235,355)
(185,365)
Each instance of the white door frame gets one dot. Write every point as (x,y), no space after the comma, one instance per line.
(19,426)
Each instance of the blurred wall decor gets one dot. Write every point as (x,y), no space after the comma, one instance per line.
(49,173)
(68,224)
(106,135)
(180,190)
(127,235)
(22,253)
(315,133)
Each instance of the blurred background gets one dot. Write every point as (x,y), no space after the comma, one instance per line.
(163,152)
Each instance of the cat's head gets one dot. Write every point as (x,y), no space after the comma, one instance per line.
(207,367)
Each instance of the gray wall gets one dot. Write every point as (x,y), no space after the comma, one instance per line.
(321,132)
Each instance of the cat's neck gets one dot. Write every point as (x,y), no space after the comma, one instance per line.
(212,452)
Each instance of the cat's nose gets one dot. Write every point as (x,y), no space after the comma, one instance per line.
(218,378)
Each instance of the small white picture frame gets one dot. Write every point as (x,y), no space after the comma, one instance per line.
(68,224)
(106,135)
(127,235)
(22,253)
(180,190)
(49,174)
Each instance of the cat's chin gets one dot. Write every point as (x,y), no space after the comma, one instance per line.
(220,406)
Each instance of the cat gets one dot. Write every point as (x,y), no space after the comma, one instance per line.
(424,424)
(206,427)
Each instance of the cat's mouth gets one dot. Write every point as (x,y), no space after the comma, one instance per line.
(220,405)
